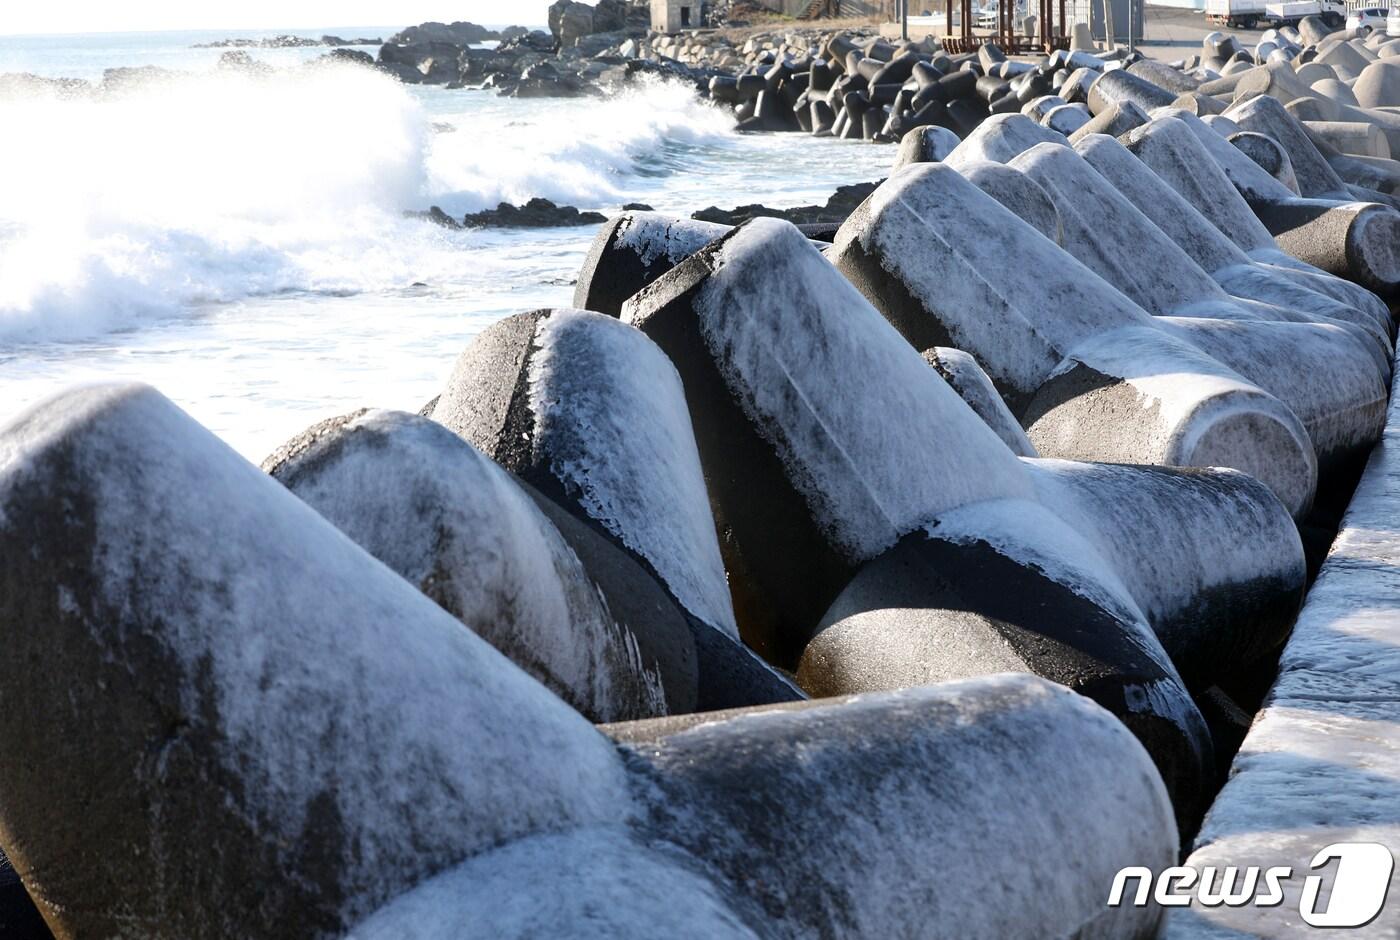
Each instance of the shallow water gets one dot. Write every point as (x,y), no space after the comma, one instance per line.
(239,241)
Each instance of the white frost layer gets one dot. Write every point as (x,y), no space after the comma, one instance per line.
(1017,320)
(653,235)
(1000,138)
(309,648)
(611,418)
(875,441)
(963,373)
(996,807)
(1172,149)
(434,509)
(1112,238)
(599,883)
(1321,763)
(1038,538)
(1170,536)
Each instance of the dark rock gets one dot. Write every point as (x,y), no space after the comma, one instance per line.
(352,56)
(456,34)
(841,204)
(453,524)
(570,20)
(427,63)
(537,213)
(436,216)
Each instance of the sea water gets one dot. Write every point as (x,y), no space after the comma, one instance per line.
(240,240)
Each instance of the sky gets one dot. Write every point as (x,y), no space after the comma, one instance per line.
(102,16)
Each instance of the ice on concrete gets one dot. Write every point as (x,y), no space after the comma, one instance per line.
(611,420)
(341,699)
(1321,763)
(874,466)
(456,526)
(962,372)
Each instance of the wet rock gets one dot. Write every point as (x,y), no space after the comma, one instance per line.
(841,204)
(425,63)
(536,213)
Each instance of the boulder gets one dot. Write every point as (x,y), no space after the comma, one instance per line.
(592,416)
(453,524)
(536,213)
(426,63)
(570,20)
(457,34)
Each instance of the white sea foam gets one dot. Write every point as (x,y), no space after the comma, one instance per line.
(122,208)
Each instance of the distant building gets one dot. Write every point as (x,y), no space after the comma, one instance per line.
(672,16)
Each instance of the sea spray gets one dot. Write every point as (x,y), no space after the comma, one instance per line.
(158,199)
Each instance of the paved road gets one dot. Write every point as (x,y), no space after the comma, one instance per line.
(1172,33)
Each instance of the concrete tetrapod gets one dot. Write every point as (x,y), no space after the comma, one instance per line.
(632,250)
(1242,275)
(1350,239)
(589,413)
(357,757)
(1216,179)
(457,527)
(1090,374)
(812,483)
(1333,376)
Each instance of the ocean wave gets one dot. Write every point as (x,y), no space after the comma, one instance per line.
(151,203)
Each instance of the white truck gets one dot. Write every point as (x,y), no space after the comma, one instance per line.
(1289,12)
(1247,14)
(1236,14)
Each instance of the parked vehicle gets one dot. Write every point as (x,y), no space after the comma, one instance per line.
(1392,22)
(1289,12)
(1236,14)
(1370,17)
